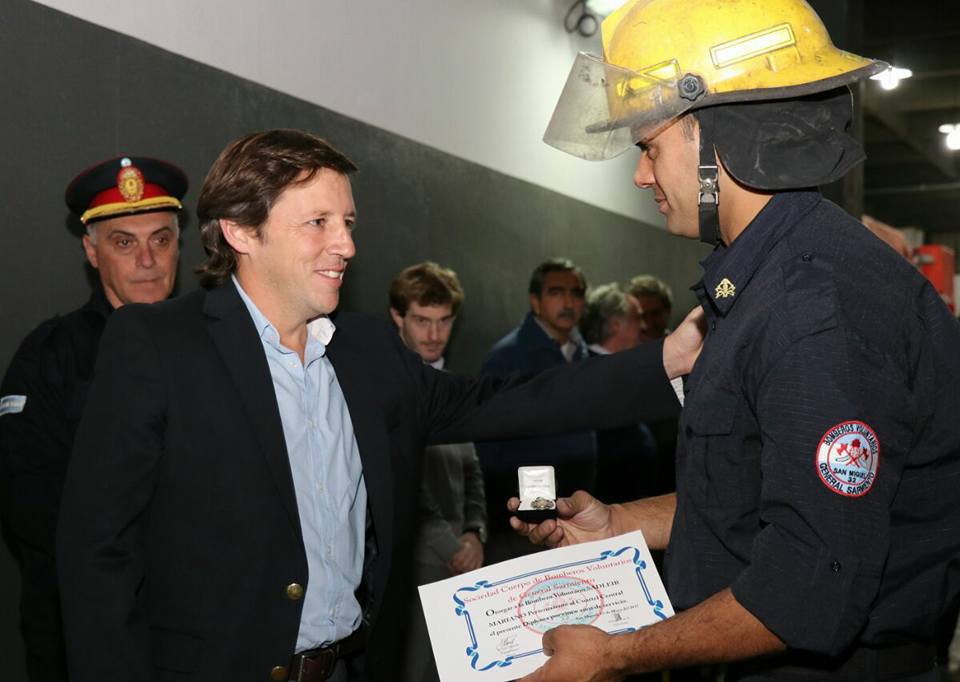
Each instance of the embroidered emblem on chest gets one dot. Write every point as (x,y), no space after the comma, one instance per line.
(848,457)
(725,289)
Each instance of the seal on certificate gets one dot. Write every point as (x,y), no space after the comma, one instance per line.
(543,503)
(563,600)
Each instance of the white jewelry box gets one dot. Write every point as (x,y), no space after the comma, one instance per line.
(538,494)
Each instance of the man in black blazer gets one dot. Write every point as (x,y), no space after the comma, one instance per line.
(242,496)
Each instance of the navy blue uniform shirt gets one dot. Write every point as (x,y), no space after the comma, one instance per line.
(818,469)
(51,373)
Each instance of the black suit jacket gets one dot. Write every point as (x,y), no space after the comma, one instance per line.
(179,530)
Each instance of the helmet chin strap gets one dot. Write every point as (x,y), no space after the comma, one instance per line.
(709,197)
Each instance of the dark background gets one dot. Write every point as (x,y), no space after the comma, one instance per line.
(74,94)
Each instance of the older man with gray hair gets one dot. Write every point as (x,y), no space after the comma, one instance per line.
(129,209)
(628,463)
(611,320)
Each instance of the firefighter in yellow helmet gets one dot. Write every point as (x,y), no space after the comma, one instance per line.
(812,535)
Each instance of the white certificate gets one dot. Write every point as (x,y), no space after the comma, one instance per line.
(487,625)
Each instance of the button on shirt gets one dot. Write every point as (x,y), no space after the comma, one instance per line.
(327,478)
(814,324)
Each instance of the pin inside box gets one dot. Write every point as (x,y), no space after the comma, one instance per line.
(538,494)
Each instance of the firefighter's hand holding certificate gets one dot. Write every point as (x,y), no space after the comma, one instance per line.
(488,624)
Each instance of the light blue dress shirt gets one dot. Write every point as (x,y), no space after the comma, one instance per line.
(327,478)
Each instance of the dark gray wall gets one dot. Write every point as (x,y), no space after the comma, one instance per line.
(75,93)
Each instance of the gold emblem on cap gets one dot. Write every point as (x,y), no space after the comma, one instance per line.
(130,181)
(725,289)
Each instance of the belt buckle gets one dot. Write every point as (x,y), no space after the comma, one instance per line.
(315,665)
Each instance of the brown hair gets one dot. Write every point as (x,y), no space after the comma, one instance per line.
(688,126)
(247,179)
(425,284)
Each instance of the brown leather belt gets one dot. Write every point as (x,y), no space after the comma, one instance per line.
(317,665)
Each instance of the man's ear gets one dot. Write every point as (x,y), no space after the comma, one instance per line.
(90,249)
(238,237)
(396,317)
(535,304)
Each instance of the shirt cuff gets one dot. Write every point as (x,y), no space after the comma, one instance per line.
(677,384)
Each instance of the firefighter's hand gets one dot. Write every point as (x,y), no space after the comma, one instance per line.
(578,653)
(682,347)
(580,518)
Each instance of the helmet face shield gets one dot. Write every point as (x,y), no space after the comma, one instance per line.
(605,109)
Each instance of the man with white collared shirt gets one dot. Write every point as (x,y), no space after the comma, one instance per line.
(242,494)
(547,337)
(315,419)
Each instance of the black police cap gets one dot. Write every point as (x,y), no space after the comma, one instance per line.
(126,185)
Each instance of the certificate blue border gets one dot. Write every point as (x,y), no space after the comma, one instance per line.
(472,650)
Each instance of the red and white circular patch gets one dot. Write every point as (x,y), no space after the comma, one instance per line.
(848,457)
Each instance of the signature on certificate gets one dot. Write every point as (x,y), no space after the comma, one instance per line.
(508,645)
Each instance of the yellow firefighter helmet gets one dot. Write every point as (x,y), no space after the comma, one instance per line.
(662,58)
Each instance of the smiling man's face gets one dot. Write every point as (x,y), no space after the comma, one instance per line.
(668,166)
(296,267)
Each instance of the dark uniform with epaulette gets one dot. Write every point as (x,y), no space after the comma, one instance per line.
(818,466)
(42,398)
(49,374)
(819,463)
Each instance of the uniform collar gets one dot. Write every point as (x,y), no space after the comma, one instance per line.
(532,334)
(728,269)
(98,304)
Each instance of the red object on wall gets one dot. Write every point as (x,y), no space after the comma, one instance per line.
(938,264)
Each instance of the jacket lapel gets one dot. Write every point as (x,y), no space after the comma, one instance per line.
(236,339)
(369,427)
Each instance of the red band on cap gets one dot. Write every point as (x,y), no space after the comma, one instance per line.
(113,195)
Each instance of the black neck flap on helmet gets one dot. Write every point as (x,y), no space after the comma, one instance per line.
(775,145)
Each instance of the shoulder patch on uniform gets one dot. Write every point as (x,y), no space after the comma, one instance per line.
(12,404)
(848,457)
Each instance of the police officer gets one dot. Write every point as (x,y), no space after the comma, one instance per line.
(129,208)
(815,532)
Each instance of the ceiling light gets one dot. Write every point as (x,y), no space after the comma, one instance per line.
(952,131)
(891,78)
(603,7)
(953,141)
